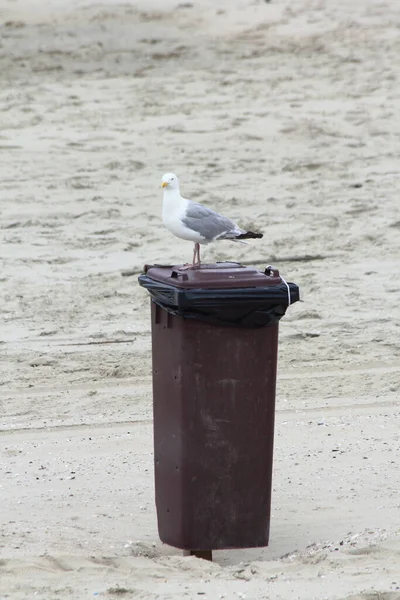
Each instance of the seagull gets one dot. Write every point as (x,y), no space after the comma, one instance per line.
(194,222)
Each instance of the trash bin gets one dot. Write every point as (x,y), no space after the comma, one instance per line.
(214,352)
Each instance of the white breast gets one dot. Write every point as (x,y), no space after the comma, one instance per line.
(174,207)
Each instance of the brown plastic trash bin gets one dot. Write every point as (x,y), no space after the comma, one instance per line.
(214,347)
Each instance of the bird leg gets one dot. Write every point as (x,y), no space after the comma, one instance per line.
(196,253)
(196,259)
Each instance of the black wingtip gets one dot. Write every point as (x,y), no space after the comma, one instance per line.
(249,235)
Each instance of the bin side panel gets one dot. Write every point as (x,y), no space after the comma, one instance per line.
(167,423)
(214,407)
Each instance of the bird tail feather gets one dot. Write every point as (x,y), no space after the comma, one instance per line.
(249,235)
(240,241)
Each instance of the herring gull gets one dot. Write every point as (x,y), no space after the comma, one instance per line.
(194,222)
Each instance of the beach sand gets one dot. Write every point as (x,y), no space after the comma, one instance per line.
(281,115)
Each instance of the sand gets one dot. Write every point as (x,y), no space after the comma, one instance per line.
(288,112)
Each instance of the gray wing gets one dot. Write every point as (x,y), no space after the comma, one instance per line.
(210,224)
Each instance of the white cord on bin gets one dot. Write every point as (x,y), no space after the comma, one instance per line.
(288,290)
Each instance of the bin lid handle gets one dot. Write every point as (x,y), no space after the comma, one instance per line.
(271,272)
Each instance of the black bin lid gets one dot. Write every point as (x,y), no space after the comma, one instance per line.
(221,294)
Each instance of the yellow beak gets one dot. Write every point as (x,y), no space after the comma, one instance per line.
(164,184)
